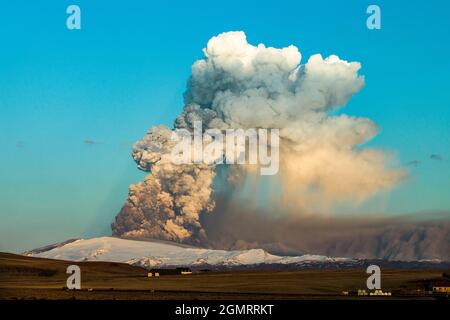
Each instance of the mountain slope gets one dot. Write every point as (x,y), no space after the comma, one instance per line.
(157,254)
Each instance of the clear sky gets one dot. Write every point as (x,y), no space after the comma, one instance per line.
(72,102)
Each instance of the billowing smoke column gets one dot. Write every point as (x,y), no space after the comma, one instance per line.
(238,85)
(168,203)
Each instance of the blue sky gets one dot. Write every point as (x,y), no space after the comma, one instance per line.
(126,70)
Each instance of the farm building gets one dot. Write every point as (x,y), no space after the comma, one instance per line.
(441,287)
(165,272)
(380,293)
(363,292)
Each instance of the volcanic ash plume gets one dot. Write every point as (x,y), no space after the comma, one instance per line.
(167,204)
(238,85)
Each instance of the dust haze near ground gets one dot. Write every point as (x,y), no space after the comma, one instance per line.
(368,237)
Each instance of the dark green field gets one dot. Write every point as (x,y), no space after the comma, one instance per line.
(34,278)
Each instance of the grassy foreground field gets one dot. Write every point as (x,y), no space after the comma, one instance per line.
(35,278)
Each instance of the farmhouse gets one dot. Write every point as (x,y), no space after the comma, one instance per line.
(363,292)
(441,287)
(165,272)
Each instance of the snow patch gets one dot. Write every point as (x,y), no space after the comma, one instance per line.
(149,254)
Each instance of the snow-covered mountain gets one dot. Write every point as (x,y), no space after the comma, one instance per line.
(162,254)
